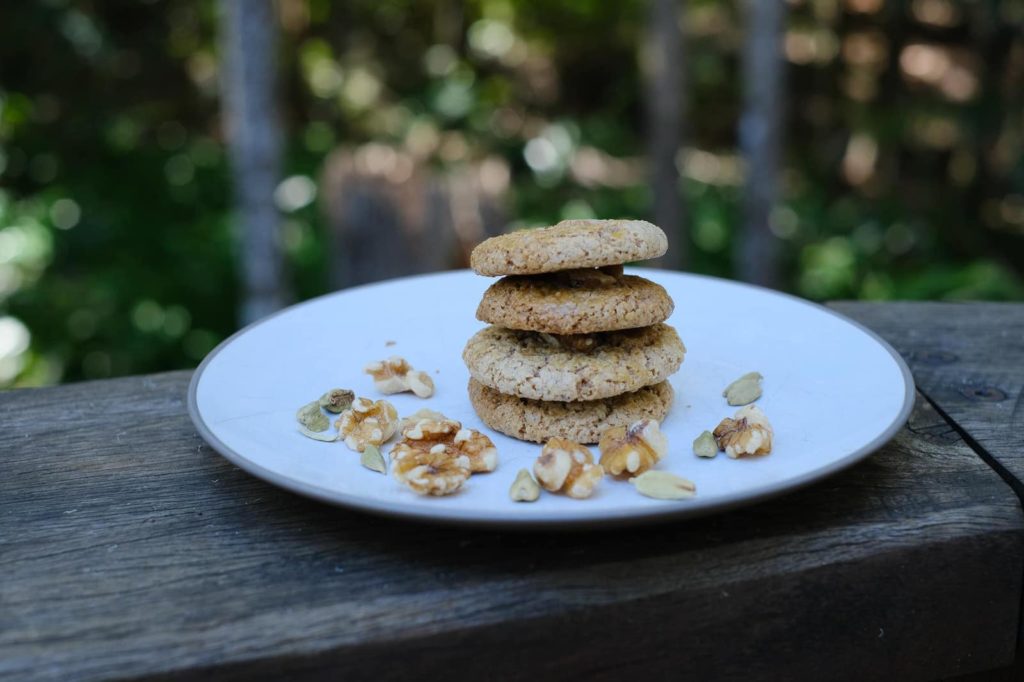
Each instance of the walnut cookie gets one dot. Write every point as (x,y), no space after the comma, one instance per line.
(575,302)
(540,367)
(583,422)
(569,244)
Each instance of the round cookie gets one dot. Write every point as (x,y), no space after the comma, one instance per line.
(541,367)
(569,244)
(574,302)
(583,422)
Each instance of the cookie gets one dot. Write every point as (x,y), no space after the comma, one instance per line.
(574,302)
(578,367)
(569,244)
(583,422)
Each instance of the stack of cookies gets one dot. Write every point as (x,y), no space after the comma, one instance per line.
(575,345)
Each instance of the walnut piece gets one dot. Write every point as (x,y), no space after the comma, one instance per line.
(568,467)
(428,435)
(634,449)
(429,472)
(367,423)
(746,434)
(395,375)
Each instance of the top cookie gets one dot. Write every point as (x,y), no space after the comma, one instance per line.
(569,244)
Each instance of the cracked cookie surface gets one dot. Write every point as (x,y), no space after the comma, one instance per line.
(539,367)
(559,303)
(569,244)
(582,422)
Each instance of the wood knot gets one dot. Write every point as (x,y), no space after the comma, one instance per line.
(989,394)
(934,357)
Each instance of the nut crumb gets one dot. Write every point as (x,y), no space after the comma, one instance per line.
(321,436)
(705,445)
(396,375)
(744,390)
(337,400)
(524,488)
(311,418)
(373,460)
(662,485)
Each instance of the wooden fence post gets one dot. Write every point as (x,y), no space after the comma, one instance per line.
(392,215)
(755,247)
(665,105)
(249,45)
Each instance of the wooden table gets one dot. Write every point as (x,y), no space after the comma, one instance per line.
(129,549)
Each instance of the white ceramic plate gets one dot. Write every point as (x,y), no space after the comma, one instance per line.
(834,392)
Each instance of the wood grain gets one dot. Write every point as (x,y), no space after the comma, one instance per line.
(129,549)
(969,360)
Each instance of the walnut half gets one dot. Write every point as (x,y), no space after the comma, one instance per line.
(746,434)
(436,456)
(634,449)
(430,472)
(427,434)
(566,466)
(367,423)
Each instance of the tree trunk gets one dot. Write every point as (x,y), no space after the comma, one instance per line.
(756,248)
(663,60)
(249,46)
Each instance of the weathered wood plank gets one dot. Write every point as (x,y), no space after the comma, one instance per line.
(129,549)
(969,360)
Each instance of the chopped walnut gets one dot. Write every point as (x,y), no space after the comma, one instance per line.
(566,466)
(747,433)
(396,375)
(429,471)
(634,449)
(367,423)
(455,441)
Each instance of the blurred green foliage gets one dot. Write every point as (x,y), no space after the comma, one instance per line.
(903,174)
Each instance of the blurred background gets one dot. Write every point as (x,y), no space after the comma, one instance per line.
(171,169)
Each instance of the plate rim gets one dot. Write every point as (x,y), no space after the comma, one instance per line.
(509,521)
